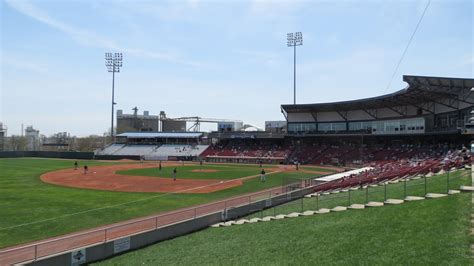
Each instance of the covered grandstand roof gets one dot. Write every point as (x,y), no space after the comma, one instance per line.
(152,135)
(420,89)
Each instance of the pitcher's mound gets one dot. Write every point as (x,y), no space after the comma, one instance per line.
(204,171)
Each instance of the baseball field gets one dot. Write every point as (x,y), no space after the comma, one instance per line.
(42,198)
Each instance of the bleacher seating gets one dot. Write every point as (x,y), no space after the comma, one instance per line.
(154,152)
(109,150)
(140,150)
(177,150)
(249,149)
(405,163)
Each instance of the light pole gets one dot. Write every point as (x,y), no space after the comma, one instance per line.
(294,39)
(113,62)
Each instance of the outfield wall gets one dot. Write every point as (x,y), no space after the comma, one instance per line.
(48,154)
(117,157)
(239,159)
(65,155)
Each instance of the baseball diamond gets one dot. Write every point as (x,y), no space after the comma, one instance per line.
(236,132)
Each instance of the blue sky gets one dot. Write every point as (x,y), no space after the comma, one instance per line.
(216,59)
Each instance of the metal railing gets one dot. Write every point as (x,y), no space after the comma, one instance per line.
(364,194)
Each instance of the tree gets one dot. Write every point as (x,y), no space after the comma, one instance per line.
(16,143)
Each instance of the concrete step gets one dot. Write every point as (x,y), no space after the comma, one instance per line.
(229,223)
(255,220)
(335,191)
(243,221)
(394,201)
(435,195)
(413,198)
(326,193)
(323,210)
(466,188)
(308,213)
(344,190)
(374,204)
(375,185)
(217,225)
(354,188)
(294,214)
(357,206)
(268,218)
(394,181)
(339,209)
(280,216)
(453,191)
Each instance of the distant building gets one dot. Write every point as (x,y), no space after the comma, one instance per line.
(275,126)
(171,125)
(57,142)
(230,126)
(32,139)
(3,136)
(135,122)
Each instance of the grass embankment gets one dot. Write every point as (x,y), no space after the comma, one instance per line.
(434,184)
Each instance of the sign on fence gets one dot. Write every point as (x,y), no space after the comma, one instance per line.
(78,257)
(121,245)
(268,203)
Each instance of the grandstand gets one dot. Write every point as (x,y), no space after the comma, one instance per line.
(137,150)
(176,151)
(156,145)
(248,151)
(428,105)
(431,113)
(417,162)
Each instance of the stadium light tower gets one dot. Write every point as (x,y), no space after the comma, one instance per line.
(294,39)
(113,62)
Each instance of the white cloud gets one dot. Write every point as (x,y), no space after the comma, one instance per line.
(89,38)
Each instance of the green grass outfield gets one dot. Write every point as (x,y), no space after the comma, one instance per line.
(33,210)
(429,232)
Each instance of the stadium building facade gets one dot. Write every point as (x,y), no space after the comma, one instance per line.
(428,105)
